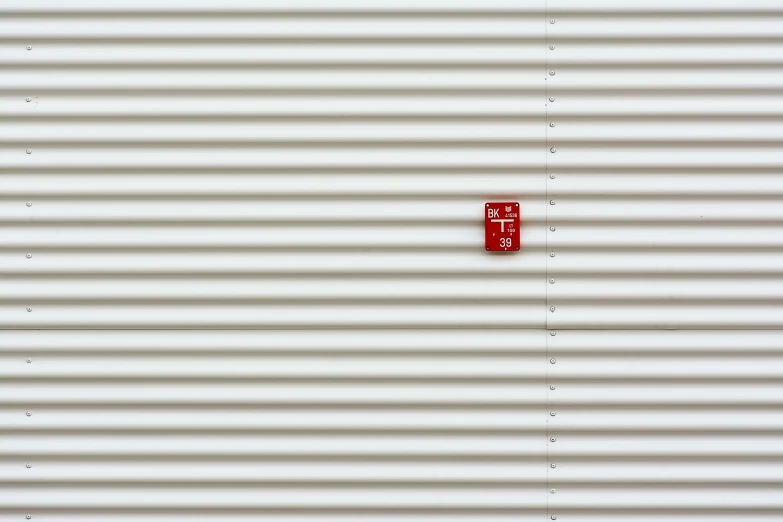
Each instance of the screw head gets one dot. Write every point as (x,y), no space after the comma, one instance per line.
(551,254)
(553,517)
(28,465)
(551,73)
(552,387)
(553,333)
(552,490)
(29,309)
(552,414)
(29,47)
(553,465)
(551,98)
(29,256)
(28,99)
(552,439)
(29,360)
(29,413)
(29,203)
(28,517)
(552,360)
(551,308)
(551,281)
(552,21)
(551,201)
(552,124)
(551,176)
(553,150)
(552,229)
(551,47)
(29,151)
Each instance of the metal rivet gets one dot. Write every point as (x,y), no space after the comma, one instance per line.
(552,439)
(551,47)
(29,413)
(553,465)
(29,203)
(551,254)
(553,334)
(551,73)
(552,124)
(551,308)
(551,98)
(552,21)
(552,490)
(552,360)
(552,414)
(29,309)
(28,517)
(28,99)
(551,201)
(29,256)
(551,176)
(29,47)
(552,229)
(29,151)
(553,150)
(553,517)
(487,204)
(551,281)
(552,387)
(29,360)
(516,204)
(28,465)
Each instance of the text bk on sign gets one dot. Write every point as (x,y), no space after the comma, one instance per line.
(501,227)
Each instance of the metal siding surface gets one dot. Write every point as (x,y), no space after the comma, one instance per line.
(243,271)
(253,255)
(665,232)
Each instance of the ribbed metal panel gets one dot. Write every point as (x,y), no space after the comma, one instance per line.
(243,272)
(665,214)
(256,273)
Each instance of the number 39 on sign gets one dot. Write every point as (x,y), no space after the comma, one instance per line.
(501,227)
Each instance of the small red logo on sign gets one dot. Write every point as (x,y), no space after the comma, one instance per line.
(501,227)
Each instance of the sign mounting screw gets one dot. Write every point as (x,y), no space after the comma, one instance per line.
(29,203)
(551,98)
(29,151)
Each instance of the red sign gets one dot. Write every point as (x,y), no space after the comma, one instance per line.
(501,227)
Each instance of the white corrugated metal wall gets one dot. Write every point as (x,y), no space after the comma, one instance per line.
(243,271)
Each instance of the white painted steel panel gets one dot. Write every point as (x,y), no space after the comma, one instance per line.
(253,259)
(664,267)
(249,239)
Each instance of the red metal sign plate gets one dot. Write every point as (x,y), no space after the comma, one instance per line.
(501,227)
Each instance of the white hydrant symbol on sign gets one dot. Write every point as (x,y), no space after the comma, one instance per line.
(502,223)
